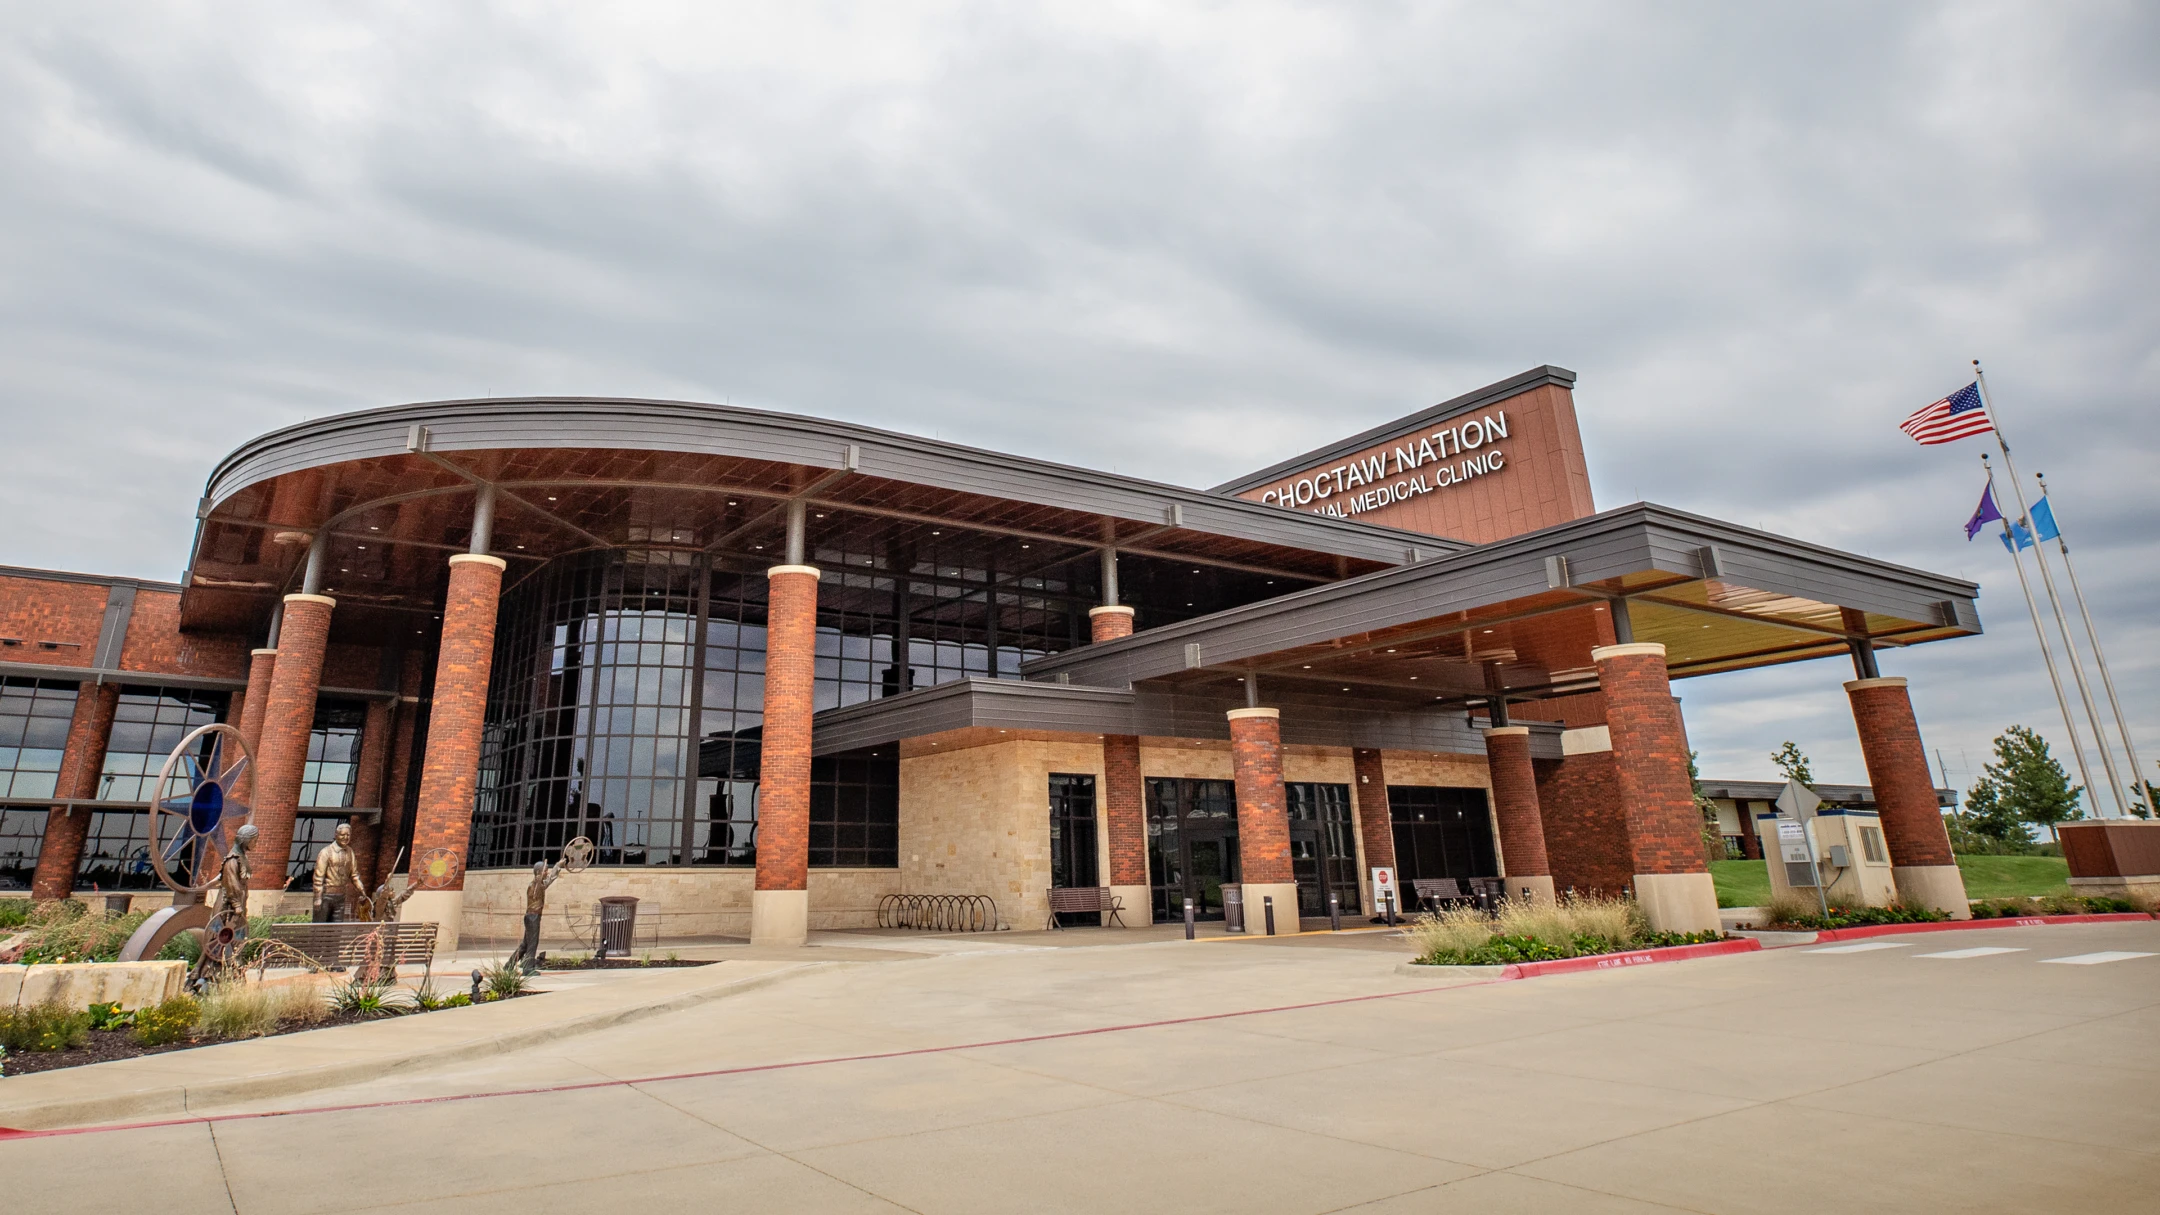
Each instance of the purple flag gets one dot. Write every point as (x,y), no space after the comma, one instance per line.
(1985,515)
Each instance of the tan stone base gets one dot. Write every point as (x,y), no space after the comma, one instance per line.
(1939,886)
(1139,907)
(1678,902)
(2147,884)
(443,908)
(1286,907)
(779,917)
(1540,887)
(78,985)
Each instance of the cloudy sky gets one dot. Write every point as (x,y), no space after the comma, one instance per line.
(1181,242)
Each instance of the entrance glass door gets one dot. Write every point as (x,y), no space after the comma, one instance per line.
(1192,845)
(1323,847)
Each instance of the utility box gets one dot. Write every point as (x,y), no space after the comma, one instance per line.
(1852,860)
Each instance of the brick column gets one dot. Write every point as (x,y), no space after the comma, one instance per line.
(1912,825)
(254,706)
(368,789)
(281,757)
(1376,823)
(1263,818)
(451,771)
(81,763)
(1109,623)
(780,905)
(1515,807)
(1650,766)
(1124,805)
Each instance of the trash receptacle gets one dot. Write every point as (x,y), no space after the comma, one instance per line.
(1233,908)
(618,923)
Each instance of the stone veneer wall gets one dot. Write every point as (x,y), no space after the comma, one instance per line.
(976,820)
(675,903)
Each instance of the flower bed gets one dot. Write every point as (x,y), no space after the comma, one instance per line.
(45,1037)
(1536,932)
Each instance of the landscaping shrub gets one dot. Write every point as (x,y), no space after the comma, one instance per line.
(240,1009)
(65,931)
(14,913)
(1794,911)
(502,982)
(168,1022)
(1537,931)
(380,998)
(42,1027)
(2062,904)
(110,1016)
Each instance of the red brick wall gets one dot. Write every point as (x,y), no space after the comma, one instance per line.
(80,765)
(37,610)
(288,720)
(1124,809)
(398,778)
(1263,811)
(2116,848)
(452,768)
(155,642)
(1586,839)
(1650,763)
(1897,768)
(368,786)
(783,854)
(254,706)
(352,666)
(1375,822)
(1515,803)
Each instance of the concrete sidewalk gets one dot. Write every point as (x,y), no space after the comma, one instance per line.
(177,1082)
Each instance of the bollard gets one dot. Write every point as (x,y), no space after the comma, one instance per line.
(1267,909)
(1390,909)
(1188,920)
(1334,912)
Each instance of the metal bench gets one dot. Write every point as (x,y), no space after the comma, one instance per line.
(1083,900)
(1434,893)
(348,943)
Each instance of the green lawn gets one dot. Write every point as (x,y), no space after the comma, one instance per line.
(1747,883)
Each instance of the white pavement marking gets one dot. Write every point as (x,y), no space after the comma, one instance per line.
(2096,959)
(1981,951)
(1862,947)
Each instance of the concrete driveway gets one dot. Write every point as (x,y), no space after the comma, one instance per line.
(2010,1069)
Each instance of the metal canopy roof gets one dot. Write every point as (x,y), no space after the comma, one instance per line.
(1520,616)
(395,487)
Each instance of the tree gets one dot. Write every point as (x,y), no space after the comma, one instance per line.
(1713,833)
(2025,784)
(1793,762)
(2139,808)
(1989,815)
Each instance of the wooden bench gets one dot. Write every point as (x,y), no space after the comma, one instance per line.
(346,944)
(1082,900)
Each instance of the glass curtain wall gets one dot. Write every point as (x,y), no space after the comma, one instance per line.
(148,722)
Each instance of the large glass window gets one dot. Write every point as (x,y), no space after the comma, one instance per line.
(854,812)
(1440,832)
(22,835)
(116,853)
(34,717)
(147,724)
(1073,861)
(333,762)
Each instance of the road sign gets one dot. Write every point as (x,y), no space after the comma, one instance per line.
(1797,801)
(1383,887)
(1796,805)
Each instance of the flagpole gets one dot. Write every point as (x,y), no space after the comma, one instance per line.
(2077,750)
(2107,682)
(2047,581)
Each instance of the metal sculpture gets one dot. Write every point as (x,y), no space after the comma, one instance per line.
(436,869)
(191,807)
(224,939)
(576,855)
(337,879)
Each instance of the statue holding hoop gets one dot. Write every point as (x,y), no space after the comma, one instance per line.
(576,855)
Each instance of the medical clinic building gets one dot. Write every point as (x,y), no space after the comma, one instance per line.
(777,668)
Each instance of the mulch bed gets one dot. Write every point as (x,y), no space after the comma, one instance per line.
(553,964)
(108,1045)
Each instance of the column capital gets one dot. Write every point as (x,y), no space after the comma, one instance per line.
(1114,609)
(1509,731)
(1882,681)
(262,653)
(480,559)
(324,600)
(1630,649)
(1241,714)
(778,570)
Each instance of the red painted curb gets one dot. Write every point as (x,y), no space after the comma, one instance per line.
(1634,957)
(2030,921)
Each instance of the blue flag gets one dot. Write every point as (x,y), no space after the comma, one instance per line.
(1985,515)
(2043,517)
(2024,538)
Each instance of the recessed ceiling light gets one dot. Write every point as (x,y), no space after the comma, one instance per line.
(344,570)
(363,548)
(373,528)
(1346,689)
(521,546)
(1488,630)
(1391,649)
(1308,666)
(1413,679)
(551,497)
(821,516)
(1026,546)
(731,502)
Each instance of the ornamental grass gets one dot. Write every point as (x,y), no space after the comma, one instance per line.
(1535,930)
(241,1009)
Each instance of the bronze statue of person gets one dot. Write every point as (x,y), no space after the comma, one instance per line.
(337,878)
(384,906)
(226,933)
(528,950)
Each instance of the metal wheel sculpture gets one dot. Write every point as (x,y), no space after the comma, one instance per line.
(192,804)
(436,869)
(577,855)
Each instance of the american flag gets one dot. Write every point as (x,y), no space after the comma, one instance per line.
(1957,416)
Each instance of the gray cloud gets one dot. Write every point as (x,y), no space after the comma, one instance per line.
(1181,244)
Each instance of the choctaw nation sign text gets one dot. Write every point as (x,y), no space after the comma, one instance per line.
(1462,451)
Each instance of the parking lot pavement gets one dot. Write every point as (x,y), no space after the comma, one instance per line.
(2005,1070)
